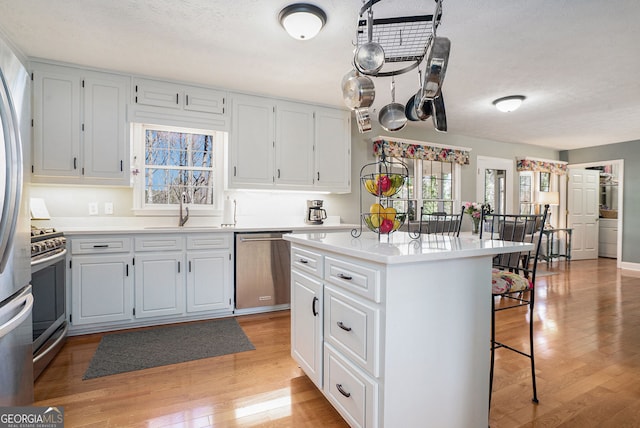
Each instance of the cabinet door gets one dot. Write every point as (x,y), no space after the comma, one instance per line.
(158,94)
(105,136)
(209,286)
(56,122)
(159,284)
(294,145)
(306,325)
(332,151)
(252,141)
(204,100)
(101,289)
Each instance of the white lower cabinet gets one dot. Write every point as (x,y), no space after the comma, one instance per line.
(102,289)
(350,390)
(101,280)
(335,332)
(145,279)
(159,284)
(207,281)
(306,321)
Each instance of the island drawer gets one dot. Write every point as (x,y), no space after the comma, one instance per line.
(351,391)
(159,242)
(208,241)
(111,244)
(353,327)
(307,261)
(357,278)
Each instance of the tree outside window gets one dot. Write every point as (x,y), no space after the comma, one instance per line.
(178,162)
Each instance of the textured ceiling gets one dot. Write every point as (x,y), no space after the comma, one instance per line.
(577,62)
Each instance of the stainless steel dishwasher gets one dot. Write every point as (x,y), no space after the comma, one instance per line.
(263,271)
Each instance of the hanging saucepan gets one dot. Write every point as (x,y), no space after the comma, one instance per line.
(438,114)
(391,116)
(436,67)
(410,107)
(369,57)
(358,92)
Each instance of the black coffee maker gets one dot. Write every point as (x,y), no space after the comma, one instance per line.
(315,213)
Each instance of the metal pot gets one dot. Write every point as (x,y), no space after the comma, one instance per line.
(436,67)
(438,114)
(391,116)
(369,57)
(358,92)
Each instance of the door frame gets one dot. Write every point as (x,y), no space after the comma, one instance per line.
(487,162)
(620,164)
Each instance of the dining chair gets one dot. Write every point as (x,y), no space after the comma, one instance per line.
(441,223)
(513,276)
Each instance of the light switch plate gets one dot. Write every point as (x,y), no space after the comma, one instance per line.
(93,208)
(108,208)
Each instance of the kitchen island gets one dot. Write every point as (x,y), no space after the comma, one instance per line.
(395,331)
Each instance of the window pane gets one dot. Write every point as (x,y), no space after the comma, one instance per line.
(178,162)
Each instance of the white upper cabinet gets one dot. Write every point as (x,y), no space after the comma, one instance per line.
(294,145)
(176,96)
(105,132)
(251,143)
(56,124)
(79,126)
(284,145)
(332,150)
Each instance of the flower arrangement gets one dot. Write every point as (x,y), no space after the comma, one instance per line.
(474,210)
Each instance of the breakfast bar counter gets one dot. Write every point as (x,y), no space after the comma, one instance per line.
(396,331)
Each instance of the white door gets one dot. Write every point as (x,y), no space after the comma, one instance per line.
(582,205)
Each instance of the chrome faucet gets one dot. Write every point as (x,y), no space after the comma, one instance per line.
(183,220)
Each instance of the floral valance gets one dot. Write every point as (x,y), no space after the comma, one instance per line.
(416,150)
(537,165)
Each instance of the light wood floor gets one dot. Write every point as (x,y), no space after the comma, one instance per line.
(587,322)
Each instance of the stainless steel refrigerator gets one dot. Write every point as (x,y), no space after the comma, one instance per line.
(16,300)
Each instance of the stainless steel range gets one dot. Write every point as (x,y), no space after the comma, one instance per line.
(48,252)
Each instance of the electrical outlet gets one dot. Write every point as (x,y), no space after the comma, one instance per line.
(108,208)
(93,208)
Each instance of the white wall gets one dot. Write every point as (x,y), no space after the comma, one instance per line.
(71,202)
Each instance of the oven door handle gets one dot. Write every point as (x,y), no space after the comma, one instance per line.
(60,338)
(10,325)
(50,259)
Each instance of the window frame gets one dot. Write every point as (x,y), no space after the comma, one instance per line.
(416,174)
(141,207)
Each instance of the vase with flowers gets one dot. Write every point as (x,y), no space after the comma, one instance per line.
(474,210)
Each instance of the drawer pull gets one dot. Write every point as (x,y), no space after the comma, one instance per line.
(313,307)
(345,277)
(303,261)
(344,327)
(342,391)
(101,246)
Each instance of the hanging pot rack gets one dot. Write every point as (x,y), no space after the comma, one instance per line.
(404,39)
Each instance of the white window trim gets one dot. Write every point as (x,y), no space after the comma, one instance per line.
(457,185)
(140,208)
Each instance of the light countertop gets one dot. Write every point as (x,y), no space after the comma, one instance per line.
(399,247)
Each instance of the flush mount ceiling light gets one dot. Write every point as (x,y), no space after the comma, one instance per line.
(510,103)
(302,21)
